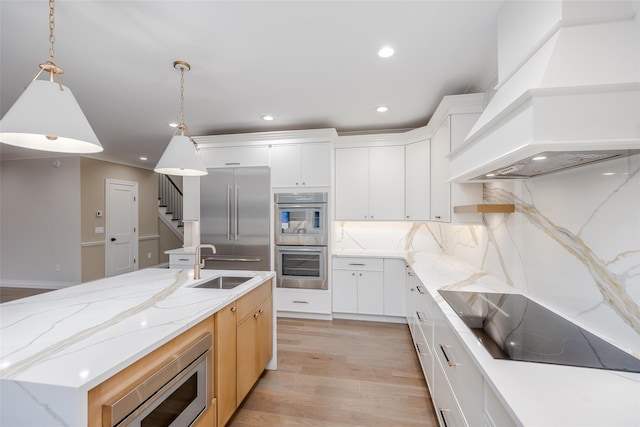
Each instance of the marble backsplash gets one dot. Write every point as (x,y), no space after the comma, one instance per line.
(573,243)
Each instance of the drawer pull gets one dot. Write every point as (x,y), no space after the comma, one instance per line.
(255,316)
(449,362)
(233,309)
(261,311)
(420,351)
(300,302)
(421,289)
(421,316)
(183,259)
(357,263)
(444,420)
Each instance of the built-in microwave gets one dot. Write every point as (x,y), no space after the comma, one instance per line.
(301,219)
(175,396)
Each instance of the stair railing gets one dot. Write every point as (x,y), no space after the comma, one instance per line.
(170,196)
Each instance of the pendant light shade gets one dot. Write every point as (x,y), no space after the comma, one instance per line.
(181,158)
(47,117)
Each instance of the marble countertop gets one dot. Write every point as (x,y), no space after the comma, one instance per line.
(63,342)
(368,253)
(187,250)
(535,394)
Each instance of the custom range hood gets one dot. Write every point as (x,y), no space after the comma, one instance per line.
(573,99)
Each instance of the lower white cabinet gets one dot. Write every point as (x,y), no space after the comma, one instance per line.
(373,286)
(460,394)
(303,301)
(182,260)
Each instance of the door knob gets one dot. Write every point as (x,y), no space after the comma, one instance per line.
(113,239)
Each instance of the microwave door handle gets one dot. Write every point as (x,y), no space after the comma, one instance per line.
(228,211)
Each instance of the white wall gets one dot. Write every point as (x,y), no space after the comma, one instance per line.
(40,222)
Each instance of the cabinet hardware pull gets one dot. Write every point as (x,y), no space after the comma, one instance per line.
(300,302)
(261,311)
(356,263)
(183,259)
(255,316)
(420,351)
(449,362)
(297,183)
(233,309)
(232,164)
(421,289)
(304,183)
(421,316)
(438,217)
(412,289)
(442,411)
(410,273)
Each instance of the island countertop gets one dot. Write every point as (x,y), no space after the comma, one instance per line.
(66,342)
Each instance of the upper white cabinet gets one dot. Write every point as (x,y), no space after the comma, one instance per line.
(301,165)
(370,183)
(417,181)
(247,155)
(453,122)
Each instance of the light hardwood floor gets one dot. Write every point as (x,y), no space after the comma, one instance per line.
(9,294)
(340,373)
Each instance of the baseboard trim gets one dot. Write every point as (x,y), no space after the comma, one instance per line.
(370,318)
(300,315)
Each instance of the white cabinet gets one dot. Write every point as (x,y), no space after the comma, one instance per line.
(394,287)
(444,195)
(301,165)
(461,372)
(370,183)
(247,155)
(417,181)
(303,301)
(495,414)
(358,286)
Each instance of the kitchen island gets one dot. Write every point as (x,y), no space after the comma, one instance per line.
(57,346)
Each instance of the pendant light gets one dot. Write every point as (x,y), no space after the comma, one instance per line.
(181,156)
(47,116)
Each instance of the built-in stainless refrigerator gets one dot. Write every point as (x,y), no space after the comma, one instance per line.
(234,217)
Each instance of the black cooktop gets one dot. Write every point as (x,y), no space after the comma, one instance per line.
(511,326)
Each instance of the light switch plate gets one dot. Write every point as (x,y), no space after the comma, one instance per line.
(99,230)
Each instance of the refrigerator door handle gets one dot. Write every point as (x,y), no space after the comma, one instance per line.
(237,237)
(228,211)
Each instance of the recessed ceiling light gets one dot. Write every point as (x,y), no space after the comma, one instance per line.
(386,52)
(173,125)
(382,109)
(267,117)
(539,158)
(608,173)
(489,175)
(143,159)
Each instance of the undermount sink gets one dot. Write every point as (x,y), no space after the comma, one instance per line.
(224,282)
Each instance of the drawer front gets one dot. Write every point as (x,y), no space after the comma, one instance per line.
(349,263)
(447,409)
(304,302)
(463,375)
(181,260)
(253,299)
(495,412)
(425,354)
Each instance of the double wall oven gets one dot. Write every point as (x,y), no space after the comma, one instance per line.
(301,236)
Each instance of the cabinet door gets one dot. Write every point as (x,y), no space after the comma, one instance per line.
(440,188)
(411,298)
(249,155)
(246,357)
(316,165)
(370,292)
(285,165)
(387,183)
(417,181)
(394,287)
(225,357)
(352,183)
(345,291)
(264,336)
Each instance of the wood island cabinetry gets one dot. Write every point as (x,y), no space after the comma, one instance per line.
(243,341)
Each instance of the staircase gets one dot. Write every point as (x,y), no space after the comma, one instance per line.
(170,205)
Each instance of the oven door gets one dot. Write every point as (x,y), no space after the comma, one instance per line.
(300,224)
(302,267)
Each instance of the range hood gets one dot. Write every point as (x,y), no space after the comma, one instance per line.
(574,101)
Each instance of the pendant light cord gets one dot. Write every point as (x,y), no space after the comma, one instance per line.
(52,37)
(182,98)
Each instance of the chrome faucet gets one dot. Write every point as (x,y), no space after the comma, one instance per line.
(200,262)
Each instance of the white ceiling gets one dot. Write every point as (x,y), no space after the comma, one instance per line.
(311,64)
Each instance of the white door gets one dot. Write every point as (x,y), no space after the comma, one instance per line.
(122,227)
